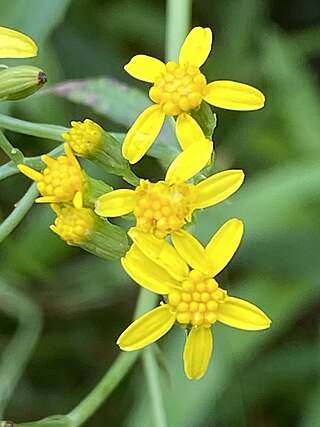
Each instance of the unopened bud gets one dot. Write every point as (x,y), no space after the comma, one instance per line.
(20,82)
(83,228)
(89,140)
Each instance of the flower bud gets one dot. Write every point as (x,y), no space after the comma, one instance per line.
(20,82)
(89,140)
(64,181)
(83,228)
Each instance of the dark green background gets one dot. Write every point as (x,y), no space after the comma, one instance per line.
(266,379)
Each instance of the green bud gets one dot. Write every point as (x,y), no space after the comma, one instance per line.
(83,228)
(20,82)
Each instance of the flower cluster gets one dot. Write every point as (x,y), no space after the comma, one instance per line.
(164,257)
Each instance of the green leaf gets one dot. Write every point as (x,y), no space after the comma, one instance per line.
(105,95)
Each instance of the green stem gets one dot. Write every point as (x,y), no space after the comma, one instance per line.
(153,379)
(7,170)
(22,207)
(115,374)
(13,153)
(178,24)
(35,129)
(17,353)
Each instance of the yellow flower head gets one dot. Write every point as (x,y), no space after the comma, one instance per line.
(62,181)
(164,207)
(84,137)
(184,274)
(73,225)
(82,227)
(178,88)
(14,44)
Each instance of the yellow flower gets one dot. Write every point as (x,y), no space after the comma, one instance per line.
(165,206)
(62,181)
(184,273)
(14,44)
(178,89)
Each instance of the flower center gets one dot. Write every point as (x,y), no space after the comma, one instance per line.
(72,224)
(161,207)
(84,137)
(61,178)
(198,300)
(179,90)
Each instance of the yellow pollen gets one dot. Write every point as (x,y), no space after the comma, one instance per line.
(197,302)
(180,89)
(84,137)
(162,208)
(72,224)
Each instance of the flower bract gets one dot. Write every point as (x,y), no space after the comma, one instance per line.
(184,275)
(179,88)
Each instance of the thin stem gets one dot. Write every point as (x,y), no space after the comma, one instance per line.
(34,129)
(153,379)
(178,25)
(18,351)
(115,374)
(22,207)
(13,153)
(7,170)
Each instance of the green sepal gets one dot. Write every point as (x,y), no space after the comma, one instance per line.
(107,241)
(93,189)
(108,156)
(20,82)
(206,119)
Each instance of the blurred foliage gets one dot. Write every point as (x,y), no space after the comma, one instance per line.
(266,379)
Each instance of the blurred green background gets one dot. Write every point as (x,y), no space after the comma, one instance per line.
(270,378)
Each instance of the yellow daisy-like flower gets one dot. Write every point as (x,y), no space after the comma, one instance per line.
(14,44)
(165,206)
(178,89)
(184,273)
(62,181)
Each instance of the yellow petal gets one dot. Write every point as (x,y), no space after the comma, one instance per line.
(217,188)
(145,68)
(71,157)
(223,245)
(147,273)
(48,199)
(242,314)
(197,352)
(147,329)
(14,44)
(143,133)
(196,47)
(30,173)
(78,200)
(234,96)
(191,161)
(116,203)
(191,250)
(188,131)
(160,252)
